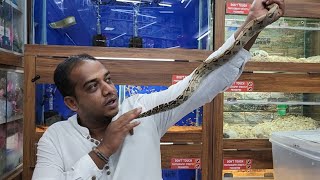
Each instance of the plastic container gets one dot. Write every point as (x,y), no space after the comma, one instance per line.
(296,155)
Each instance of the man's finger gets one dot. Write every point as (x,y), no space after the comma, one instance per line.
(129,127)
(281,5)
(279,2)
(131,132)
(129,116)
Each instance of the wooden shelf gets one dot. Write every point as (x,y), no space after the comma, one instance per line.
(13,118)
(281,67)
(13,174)
(11,58)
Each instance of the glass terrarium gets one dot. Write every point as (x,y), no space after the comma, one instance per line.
(12,26)
(287,40)
(124,23)
(249,114)
(11,120)
(258,114)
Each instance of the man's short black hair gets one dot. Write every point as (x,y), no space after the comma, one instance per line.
(63,70)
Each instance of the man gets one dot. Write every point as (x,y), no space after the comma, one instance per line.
(95,143)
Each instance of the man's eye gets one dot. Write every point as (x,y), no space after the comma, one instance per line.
(92,87)
(108,80)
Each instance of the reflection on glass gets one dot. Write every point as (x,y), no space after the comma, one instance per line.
(6,25)
(2,149)
(3,92)
(12,25)
(13,145)
(14,95)
(145,23)
(11,122)
(17,35)
(185,174)
(258,114)
(287,40)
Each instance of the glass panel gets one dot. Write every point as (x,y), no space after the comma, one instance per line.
(3,132)
(14,139)
(11,120)
(6,14)
(258,114)
(124,23)
(13,153)
(182,174)
(3,136)
(287,40)
(14,96)
(50,107)
(17,34)
(3,99)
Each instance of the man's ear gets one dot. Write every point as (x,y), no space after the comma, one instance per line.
(71,103)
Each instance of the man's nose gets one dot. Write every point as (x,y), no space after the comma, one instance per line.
(106,88)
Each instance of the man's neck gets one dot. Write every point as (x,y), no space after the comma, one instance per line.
(96,127)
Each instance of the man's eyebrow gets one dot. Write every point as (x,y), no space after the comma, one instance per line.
(95,79)
(90,81)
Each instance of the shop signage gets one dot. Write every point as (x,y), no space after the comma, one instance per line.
(238,86)
(237,164)
(238,8)
(177,78)
(185,163)
(241,86)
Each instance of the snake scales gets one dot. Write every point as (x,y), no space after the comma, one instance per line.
(212,63)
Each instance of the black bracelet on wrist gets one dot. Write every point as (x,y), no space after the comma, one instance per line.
(103,158)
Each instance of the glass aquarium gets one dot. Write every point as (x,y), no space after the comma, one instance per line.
(289,39)
(250,114)
(257,114)
(12,25)
(124,23)
(11,120)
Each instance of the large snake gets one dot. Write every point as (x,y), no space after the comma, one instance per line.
(212,63)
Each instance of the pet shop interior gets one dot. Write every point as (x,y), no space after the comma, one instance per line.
(266,125)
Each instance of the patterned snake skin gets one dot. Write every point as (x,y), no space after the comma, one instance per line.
(212,63)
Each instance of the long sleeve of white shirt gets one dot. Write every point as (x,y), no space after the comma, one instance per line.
(63,149)
(51,158)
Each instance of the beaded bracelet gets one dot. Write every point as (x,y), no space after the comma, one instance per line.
(103,158)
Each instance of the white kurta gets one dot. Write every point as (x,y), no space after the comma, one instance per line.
(64,147)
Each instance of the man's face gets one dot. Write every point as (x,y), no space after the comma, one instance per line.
(96,95)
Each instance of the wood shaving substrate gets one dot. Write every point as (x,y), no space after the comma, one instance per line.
(264,130)
(313,59)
